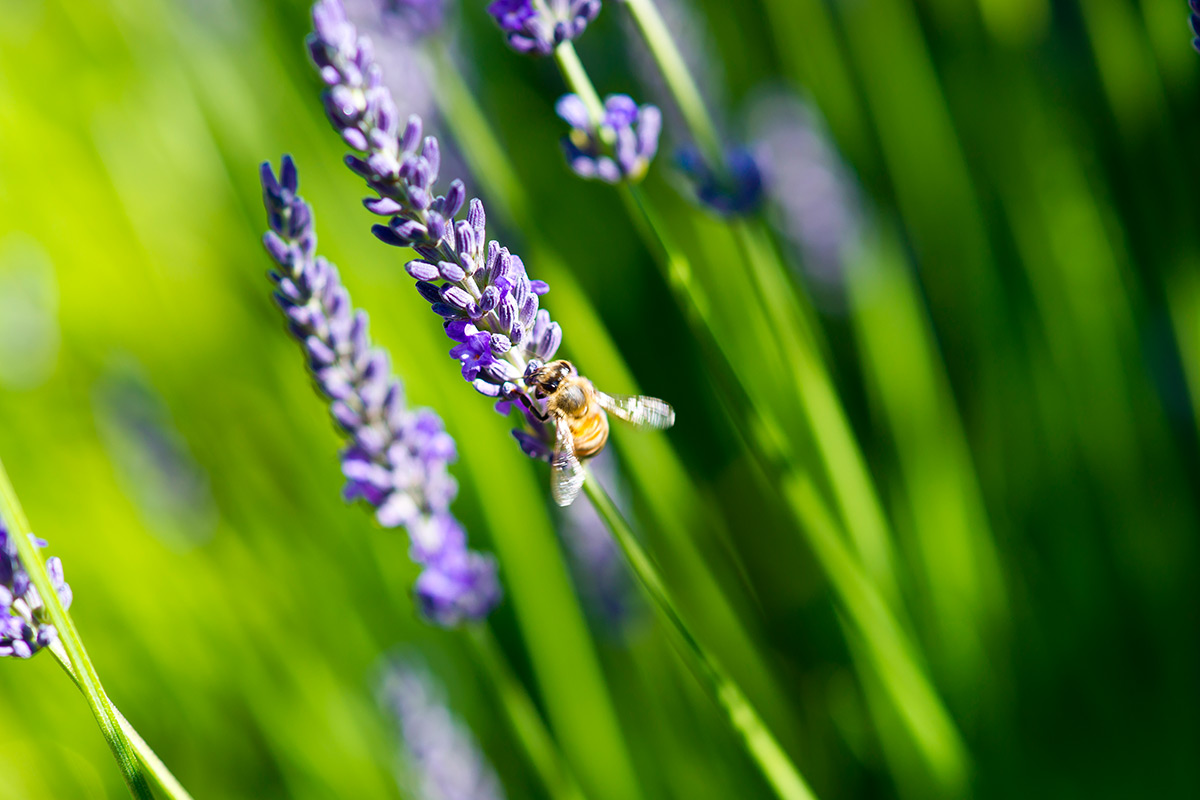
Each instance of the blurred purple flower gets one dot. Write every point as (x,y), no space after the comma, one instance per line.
(442,759)
(488,304)
(151,458)
(415,19)
(396,458)
(816,200)
(24,622)
(597,564)
(630,129)
(739,191)
(538,26)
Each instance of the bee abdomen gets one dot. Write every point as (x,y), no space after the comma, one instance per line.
(590,432)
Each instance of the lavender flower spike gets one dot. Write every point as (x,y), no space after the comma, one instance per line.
(815,198)
(630,129)
(488,304)
(24,622)
(395,458)
(538,26)
(443,759)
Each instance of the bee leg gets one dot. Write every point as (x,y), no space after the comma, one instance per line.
(533,409)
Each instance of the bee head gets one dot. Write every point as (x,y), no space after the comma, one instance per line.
(545,378)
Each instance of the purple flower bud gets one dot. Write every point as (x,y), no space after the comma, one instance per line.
(354,137)
(450,271)
(412,134)
(319,353)
(389,236)
(429,291)
(421,270)
(457,297)
(383,206)
(455,196)
(489,300)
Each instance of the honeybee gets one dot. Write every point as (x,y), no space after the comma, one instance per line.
(580,423)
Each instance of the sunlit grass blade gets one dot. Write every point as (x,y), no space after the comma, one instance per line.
(964,597)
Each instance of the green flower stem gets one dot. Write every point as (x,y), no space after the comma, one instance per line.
(679,78)
(577,78)
(526,722)
(166,783)
(783,776)
(102,707)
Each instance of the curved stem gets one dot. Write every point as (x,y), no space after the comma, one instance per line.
(102,707)
(526,722)
(783,776)
(162,777)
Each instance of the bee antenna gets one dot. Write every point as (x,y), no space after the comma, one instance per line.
(533,366)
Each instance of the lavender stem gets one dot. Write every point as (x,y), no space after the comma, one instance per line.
(778,768)
(159,773)
(102,708)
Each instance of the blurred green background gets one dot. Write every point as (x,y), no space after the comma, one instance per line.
(1016,340)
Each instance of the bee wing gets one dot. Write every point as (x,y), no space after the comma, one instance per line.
(648,413)
(566,477)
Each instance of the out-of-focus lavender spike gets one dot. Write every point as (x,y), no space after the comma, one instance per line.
(24,622)
(597,564)
(816,200)
(486,300)
(539,27)
(442,760)
(631,130)
(395,459)
(151,459)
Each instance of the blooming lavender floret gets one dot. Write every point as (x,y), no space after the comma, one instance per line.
(488,304)
(24,621)
(630,129)
(538,26)
(442,758)
(396,458)
(737,191)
